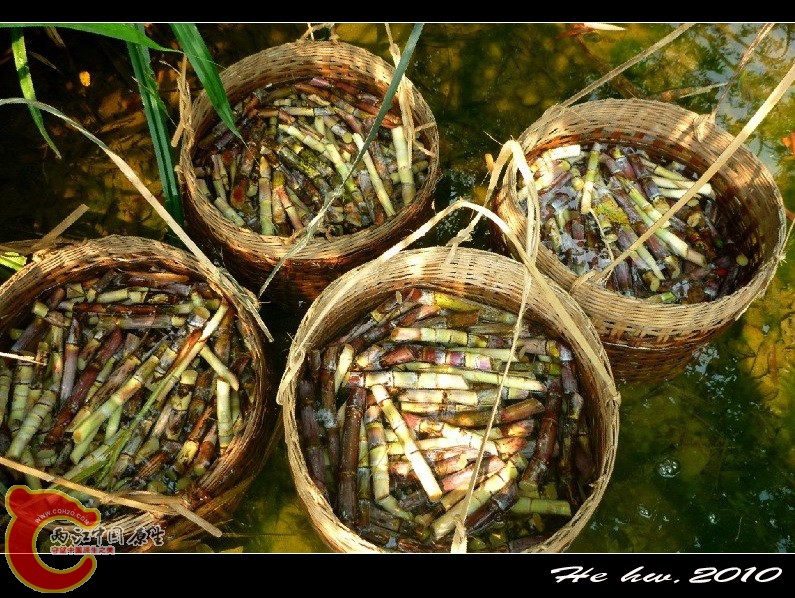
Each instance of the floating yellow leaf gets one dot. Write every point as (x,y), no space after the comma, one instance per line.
(789,142)
(85,78)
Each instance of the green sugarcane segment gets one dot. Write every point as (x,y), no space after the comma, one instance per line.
(590,177)
(542,506)
(644,206)
(31,424)
(664,172)
(177,369)
(379,457)
(223,406)
(647,257)
(114,421)
(487,312)
(97,458)
(421,395)
(405,173)
(26,458)
(82,447)
(390,504)
(265,198)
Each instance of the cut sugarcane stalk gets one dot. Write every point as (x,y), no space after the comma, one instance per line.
(460,397)
(119,376)
(96,458)
(404,165)
(224,413)
(517,411)
(460,435)
(5,387)
(378,185)
(391,505)
(542,506)
(220,202)
(424,473)
(31,423)
(37,327)
(265,198)
(438,335)
(565,152)
(350,456)
(19,400)
(71,351)
(133,384)
(416,380)
(206,452)
(31,481)
(481,377)
(344,362)
(113,424)
(222,370)
(493,484)
(486,312)
(379,459)
(677,245)
(163,387)
(664,172)
(679,192)
(590,177)
(644,206)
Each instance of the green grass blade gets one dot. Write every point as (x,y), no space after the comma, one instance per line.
(157,119)
(124,32)
(193,45)
(26,83)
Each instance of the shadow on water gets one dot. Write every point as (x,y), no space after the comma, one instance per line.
(705,460)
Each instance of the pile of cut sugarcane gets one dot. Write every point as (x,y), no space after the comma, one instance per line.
(132,380)
(393,413)
(300,143)
(597,199)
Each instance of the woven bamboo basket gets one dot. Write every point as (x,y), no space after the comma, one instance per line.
(251,256)
(484,277)
(654,342)
(215,495)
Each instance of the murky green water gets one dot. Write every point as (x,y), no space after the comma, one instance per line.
(705,461)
